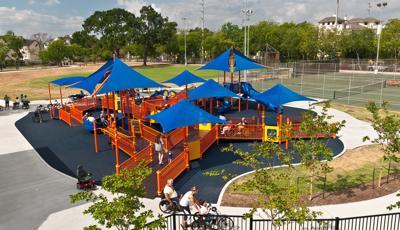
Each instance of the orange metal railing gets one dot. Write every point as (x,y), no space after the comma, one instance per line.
(145,154)
(65,116)
(77,114)
(207,140)
(173,138)
(149,133)
(173,169)
(244,132)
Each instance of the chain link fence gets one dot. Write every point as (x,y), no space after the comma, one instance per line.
(346,83)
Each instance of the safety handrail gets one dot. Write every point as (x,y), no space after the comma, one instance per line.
(172,170)
(207,140)
(149,133)
(248,132)
(65,116)
(173,138)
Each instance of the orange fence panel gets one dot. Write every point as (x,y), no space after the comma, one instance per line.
(208,140)
(65,116)
(149,133)
(240,132)
(127,144)
(172,170)
(77,114)
(145,154)
(173,138)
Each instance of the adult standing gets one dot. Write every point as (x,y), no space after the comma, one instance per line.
(159,149)
(7,101)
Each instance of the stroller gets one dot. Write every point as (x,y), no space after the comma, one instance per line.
(25,104)
(85,180)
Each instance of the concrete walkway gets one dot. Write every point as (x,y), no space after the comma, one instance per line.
(40,194)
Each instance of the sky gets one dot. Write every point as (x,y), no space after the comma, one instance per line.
(62,17)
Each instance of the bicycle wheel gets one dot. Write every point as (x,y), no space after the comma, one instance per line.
(164,206)
(225,223)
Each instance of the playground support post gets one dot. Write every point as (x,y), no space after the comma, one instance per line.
(224,77)
(61,97)
(49,92)
(116,152)
(280,128)
(96,146)
(211,105)
(114,110)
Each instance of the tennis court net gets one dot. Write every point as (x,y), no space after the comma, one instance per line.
(358,90)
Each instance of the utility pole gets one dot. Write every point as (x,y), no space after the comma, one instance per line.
(202,30)
(247,12)
(184,33)
(337,14)
(380,5)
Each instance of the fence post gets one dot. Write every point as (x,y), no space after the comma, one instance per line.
(388,174)
(337,223)
(251,223)
(373,178)
(174,220)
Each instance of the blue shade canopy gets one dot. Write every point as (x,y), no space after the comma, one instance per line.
(279,95)
(185,78)
(123,77)
(90,83)
(221,62)
(183,114)
(210,89)
(67,80)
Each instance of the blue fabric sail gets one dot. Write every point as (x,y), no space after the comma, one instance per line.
(210,89)
(185,78)
(68,80)
(90,83)
(183,114)
(123,77)
(221,62)
(279,95)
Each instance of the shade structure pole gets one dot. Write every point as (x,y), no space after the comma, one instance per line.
(49,92)
(287,134)
(263,116)
(239,91)
(258,113)
(61,96)
(211,105)
(224,77)
(96,146)
(116,152)
(108,105)
(280,128)
(114,111)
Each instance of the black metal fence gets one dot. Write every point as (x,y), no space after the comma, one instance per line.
(372,222)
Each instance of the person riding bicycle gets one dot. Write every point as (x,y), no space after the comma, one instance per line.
(187,201)
(170,193)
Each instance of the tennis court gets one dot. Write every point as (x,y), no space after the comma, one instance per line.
(353,87)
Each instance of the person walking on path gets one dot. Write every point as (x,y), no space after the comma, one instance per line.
(159,149)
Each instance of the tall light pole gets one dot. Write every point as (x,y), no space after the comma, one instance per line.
(184,33)
(337,14)
(202,30)
(378,33)
(247,12)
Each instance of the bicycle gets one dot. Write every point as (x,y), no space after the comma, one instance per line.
(213,220)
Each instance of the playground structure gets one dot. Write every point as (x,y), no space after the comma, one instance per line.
(179,118)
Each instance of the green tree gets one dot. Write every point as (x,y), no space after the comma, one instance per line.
(15,44)
(153,29)
(308,42)
(125,209)
(57,52)
(234,33)
(314,154)
(114,28)
(327,44)
(391,38)
(276,191)
(41,39)
(3,54)
(359,44)
(387,126)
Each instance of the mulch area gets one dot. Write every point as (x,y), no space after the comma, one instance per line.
(359,193)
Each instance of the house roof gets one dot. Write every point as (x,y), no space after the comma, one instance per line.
(363,20)
(331,19)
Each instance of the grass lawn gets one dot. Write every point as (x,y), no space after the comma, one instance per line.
(360,113)
(36,87)
(352,169)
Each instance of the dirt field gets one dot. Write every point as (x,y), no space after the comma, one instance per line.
(15,83)
(353,164)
